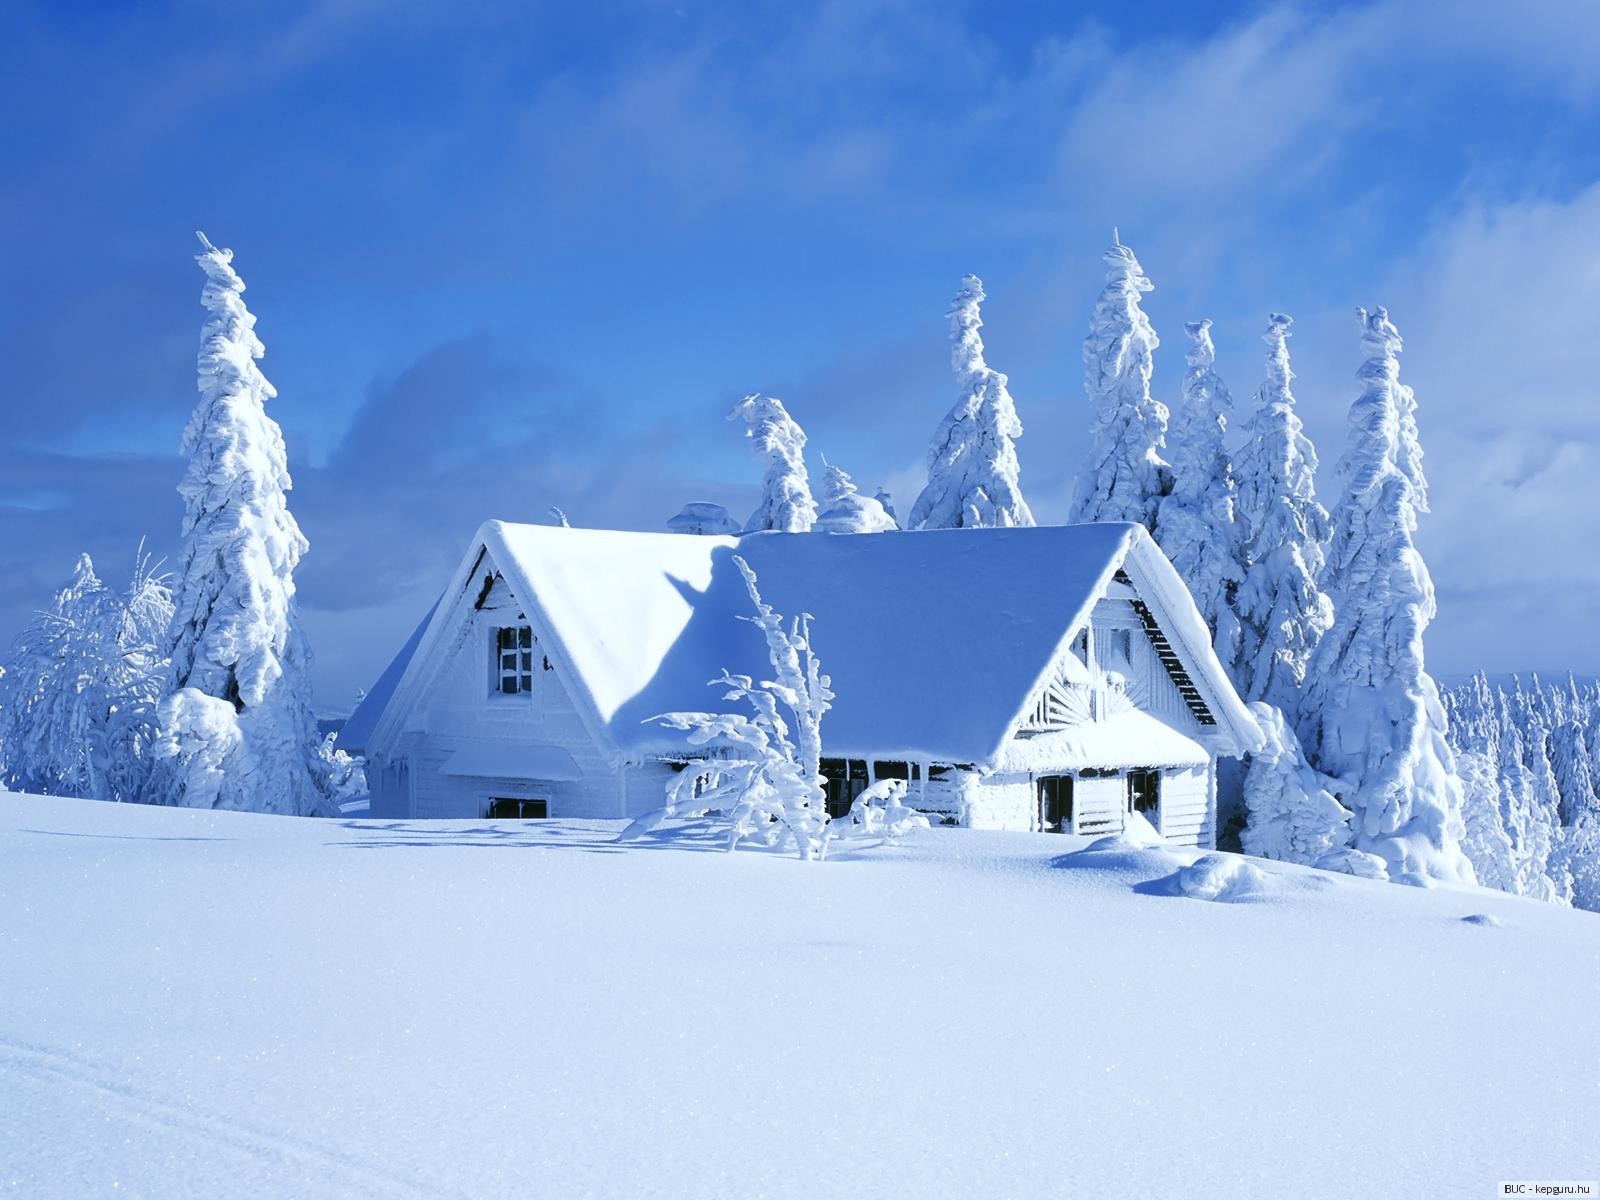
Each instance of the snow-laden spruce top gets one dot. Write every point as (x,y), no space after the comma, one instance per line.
(973,474)
(935,639)
(234,635)
(1282,610)
(1123,476)
(1198,525)
(786,503)
(845,509)
(1371,714)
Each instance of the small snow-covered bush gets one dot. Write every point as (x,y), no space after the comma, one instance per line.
(78,694)
(1349,861)
(1224,878)
(762,777)
(846,510)
(880,811)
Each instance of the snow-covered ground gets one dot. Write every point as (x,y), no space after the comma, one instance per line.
(217,1004)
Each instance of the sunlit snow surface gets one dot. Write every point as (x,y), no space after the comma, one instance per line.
(219,1004)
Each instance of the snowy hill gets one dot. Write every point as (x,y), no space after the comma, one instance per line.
(205,1003)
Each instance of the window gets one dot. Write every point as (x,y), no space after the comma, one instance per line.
(513,660)
(910,772)
(501,808)
(846,779)
(1055,803)
(1144,793)
(1118,649)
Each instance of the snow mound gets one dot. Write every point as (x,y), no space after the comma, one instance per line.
(1137,834)
(1349,861)
(1488,920)
(1225,878)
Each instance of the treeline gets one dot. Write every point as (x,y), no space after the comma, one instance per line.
(1529,758)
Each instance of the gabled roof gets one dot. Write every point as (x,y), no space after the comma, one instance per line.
(357,731)
(935,640)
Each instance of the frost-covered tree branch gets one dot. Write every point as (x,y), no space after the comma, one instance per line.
(761,775)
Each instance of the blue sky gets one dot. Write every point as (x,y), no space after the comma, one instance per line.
(509,256)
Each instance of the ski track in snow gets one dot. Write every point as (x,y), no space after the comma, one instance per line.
(336,1173)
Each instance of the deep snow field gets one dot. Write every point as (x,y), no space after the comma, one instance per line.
(217,1004)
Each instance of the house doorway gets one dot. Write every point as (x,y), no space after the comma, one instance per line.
(1055,803)
(1144,795)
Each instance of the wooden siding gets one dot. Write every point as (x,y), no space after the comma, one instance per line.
(1149,686)
(1098,805)
(464,709)
(1000,802)
(1188,811)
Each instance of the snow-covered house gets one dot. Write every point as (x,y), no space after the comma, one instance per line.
(1049,678)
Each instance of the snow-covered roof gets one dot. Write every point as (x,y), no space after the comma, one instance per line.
(355,733)
(935,640)
(1127,739)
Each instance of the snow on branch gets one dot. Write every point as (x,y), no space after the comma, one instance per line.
(761,777)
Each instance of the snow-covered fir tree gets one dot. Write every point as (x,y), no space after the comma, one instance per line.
(1282,610)
(973,476)
(882,497)
(1569,759)
(78,696)
(762,778)
(845,510)
(786,503)
(1197,524)
(1123,476)
(1527,740)
(238,728)
(1371,715)
(1293,812)
(1475,736)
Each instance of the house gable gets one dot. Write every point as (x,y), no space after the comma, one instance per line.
(1141,646)
(450,689)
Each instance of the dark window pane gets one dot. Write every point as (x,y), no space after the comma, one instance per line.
(509,684)
(526,635)
(1144,790)
(527,660)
